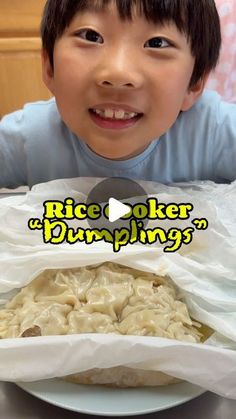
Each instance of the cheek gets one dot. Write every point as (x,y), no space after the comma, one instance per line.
(178,83)
(70,70)
(169,82)
(177,76)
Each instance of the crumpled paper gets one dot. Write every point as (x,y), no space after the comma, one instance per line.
(204,271)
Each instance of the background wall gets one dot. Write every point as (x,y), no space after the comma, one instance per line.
(20,63)
(224,78)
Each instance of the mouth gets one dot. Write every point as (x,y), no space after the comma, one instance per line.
(110,118)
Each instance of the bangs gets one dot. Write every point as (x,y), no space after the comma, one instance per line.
(155,11)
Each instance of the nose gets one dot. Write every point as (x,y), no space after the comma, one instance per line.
(118,70)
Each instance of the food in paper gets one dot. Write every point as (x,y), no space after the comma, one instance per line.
(108,298)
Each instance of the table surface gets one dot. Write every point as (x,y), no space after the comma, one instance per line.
(17,404)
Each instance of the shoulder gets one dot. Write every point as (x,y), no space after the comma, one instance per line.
(208,104)
(41,110)
(211,105)
(38,126)
(209,98)
(41,105)
(31,116)
(208,115)
(41,121)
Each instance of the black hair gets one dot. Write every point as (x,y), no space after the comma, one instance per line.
(197,19)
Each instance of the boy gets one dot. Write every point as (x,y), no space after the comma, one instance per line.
(128,79)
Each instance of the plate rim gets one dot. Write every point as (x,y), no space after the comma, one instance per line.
(25,386)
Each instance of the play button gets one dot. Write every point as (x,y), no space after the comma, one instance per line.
(115,197)
(117,209)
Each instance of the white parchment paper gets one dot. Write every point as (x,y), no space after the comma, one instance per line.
(204,271)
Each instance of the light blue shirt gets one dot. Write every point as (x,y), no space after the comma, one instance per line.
(36,146)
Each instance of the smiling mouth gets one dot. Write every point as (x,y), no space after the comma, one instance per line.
(114,114)
(114,118)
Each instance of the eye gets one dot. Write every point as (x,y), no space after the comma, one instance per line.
(90,35)
(157,42)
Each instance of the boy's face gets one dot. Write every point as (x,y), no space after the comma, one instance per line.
(120,84)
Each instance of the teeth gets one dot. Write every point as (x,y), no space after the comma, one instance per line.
(108,113)
(112,114)
(119,114)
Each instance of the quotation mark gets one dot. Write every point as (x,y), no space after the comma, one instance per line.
(35,224)
(200,224)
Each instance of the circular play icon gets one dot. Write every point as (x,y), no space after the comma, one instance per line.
(117,197)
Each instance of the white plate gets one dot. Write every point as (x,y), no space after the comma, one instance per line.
(105,401)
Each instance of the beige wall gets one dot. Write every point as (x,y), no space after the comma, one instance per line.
(20,64)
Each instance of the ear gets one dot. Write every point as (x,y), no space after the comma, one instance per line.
(194,93)
(47,71)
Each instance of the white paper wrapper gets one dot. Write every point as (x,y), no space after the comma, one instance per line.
(204,271)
